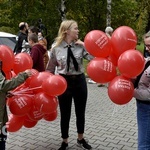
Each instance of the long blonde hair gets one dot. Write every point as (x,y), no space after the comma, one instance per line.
(65,25)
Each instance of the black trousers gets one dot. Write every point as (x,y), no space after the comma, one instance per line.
(3,138)
(76,90)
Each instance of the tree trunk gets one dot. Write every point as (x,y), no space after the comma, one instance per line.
(62,10)
(108,19)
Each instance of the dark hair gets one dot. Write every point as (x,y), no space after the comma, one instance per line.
(33,37)
(22,26)
(34,29)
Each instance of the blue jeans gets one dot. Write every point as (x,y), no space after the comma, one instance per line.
(143,121)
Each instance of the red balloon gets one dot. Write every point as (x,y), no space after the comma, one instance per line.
(13,74)
(123,38)
(19,88)
(113,59)
(14,123)
(28,123)
(23,61)
(9,100)
(120,90)
(34,114)
(97,43)
(54,85)
(131,63)
(51,117)
(38,79)
(101,70)
(20,105)
(8,74)
(34,72)
(6,54)
(45,103)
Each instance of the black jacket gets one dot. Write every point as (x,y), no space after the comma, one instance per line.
(21,37)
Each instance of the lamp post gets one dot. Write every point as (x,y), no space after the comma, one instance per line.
(108,18)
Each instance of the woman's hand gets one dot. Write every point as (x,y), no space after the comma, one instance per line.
(79,42)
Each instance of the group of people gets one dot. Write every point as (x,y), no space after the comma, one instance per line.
(66,56)
(31,41)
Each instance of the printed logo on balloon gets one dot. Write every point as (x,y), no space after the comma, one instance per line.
(120,90)
(101,70)
(97,43)
(35,99)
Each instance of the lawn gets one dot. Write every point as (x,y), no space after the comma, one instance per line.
(85,63)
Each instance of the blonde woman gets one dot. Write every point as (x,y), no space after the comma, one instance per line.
(68,56)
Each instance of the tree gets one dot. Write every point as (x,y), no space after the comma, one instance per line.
(32,11)
(90,15)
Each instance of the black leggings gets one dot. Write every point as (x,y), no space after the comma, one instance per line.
(3,138)
(76,89)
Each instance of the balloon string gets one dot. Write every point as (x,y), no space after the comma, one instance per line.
(22,92)
(25,91)
(18,94)
(30,89)
(18,87)
(39,87)
(115,110)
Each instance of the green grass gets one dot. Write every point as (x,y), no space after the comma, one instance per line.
(140,47)
(85,63)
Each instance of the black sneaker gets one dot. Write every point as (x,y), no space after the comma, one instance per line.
(83,144)
(64,146)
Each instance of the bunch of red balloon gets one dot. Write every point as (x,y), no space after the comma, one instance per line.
(36,98)
(116,61)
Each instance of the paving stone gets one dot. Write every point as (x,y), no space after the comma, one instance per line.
(108,127)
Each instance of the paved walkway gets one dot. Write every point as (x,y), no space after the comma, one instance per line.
(108,127)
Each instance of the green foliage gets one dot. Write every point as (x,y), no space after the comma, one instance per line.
(90,15)
(7,29)
(124,12)
(140,47)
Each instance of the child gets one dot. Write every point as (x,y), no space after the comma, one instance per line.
(37,52)
(5,87)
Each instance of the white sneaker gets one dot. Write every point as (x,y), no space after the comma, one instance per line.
(91,81)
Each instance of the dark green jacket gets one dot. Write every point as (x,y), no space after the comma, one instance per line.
(5,86)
